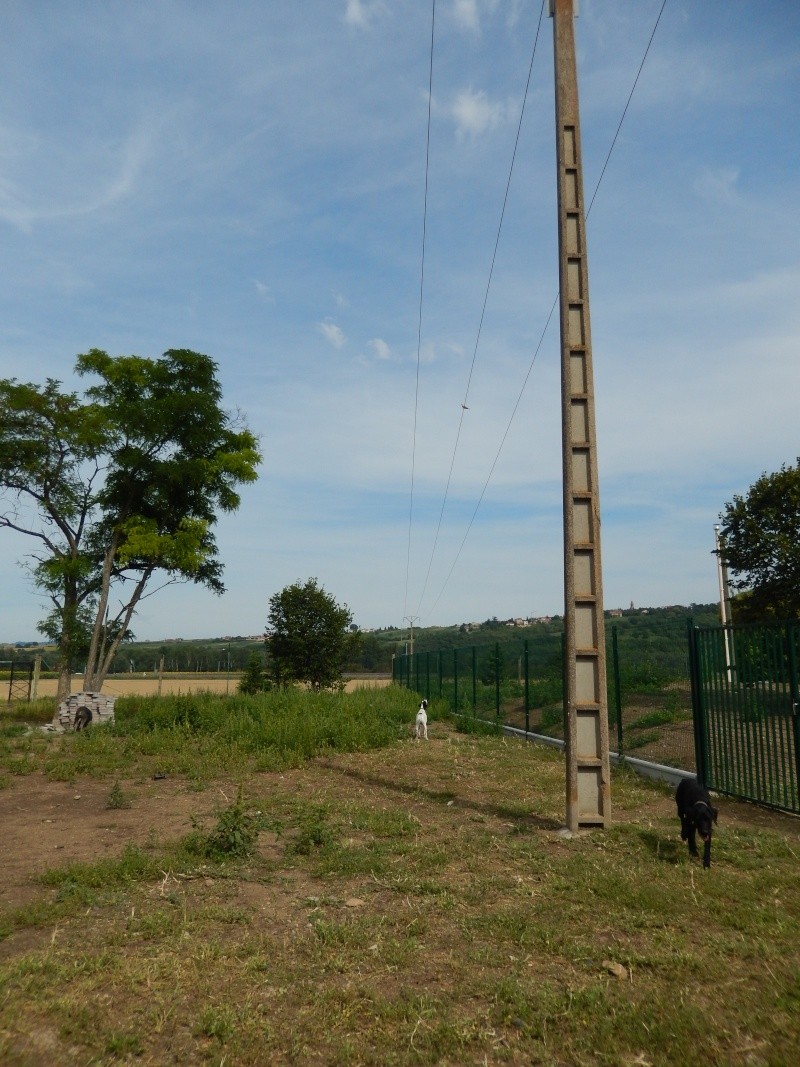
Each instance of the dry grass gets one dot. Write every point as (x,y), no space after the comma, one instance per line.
(149,684)
(413,905)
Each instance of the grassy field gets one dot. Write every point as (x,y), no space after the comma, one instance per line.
(301,883)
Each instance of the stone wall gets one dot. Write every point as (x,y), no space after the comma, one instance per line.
(84,709)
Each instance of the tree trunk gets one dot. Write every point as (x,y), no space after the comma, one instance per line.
(101,670)
(66,642)
(92,682)
(64,682)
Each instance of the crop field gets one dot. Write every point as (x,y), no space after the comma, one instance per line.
(151,685)
(297,881)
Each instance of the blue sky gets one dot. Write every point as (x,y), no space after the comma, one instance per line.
(248,180)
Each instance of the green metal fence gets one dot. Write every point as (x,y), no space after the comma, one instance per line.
(519,683)
(745,682)
(725,704)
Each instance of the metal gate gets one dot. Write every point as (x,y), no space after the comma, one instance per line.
(20,679)
(745,703)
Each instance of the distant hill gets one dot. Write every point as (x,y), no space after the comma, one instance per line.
(658,632)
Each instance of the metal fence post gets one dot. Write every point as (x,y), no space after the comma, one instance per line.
(617,687)
(698,722)
(474,680)
(791,638)
(527,688)
(455,681)
(497,680)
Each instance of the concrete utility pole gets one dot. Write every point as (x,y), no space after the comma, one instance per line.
(588,786)
(411,619)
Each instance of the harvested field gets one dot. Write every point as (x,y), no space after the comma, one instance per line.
(148,684)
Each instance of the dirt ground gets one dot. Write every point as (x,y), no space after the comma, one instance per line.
(447,787)
(49,823)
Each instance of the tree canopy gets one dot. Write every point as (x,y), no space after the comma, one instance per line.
(308,637)
(760,542)
(116,486)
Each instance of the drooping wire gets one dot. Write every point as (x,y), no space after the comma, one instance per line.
(464,407)
(625,109)
(421,294)
(496,458)
(549,317)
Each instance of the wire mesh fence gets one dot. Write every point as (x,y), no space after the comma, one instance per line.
(519,683)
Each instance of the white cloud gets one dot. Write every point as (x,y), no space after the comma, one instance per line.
(332,333)
(380,348)
(359,13)
(264,291)
(465,13)
(474,113)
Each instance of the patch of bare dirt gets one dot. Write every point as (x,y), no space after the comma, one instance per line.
(48,824)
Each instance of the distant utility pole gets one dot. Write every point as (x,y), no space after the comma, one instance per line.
(724,601)
(411,619)
(588,785)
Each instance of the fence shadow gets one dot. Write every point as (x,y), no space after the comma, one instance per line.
(446,798)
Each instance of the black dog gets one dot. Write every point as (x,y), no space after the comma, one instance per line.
(697,816)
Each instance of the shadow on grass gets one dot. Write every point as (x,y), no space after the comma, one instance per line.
(666,851)
(446,797)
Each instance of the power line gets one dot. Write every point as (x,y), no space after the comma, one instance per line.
(464,407)
(421,292)
(546,325)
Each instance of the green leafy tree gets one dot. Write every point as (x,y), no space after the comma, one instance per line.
(760,542)
(117,486)
(254,679)
(308,637)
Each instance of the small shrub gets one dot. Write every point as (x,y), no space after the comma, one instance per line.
(234,836)
(117,798)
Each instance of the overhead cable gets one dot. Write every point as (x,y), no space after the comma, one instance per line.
(421,292)
(464,406)
(547,323)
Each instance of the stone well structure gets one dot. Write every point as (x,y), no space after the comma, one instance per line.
(80,710)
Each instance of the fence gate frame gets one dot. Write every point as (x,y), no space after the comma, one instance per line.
(20,679)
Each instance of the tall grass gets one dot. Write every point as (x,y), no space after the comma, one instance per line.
(205,734)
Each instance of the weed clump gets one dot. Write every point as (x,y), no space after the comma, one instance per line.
(118,799)
(234,836)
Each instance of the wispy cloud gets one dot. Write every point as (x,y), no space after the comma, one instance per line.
(465,13)
(474,113)
(719,186)
(332,333)
(380,348)
(73,179)
(264,291)
(362,12)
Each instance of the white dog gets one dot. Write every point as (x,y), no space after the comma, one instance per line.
(422,721)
